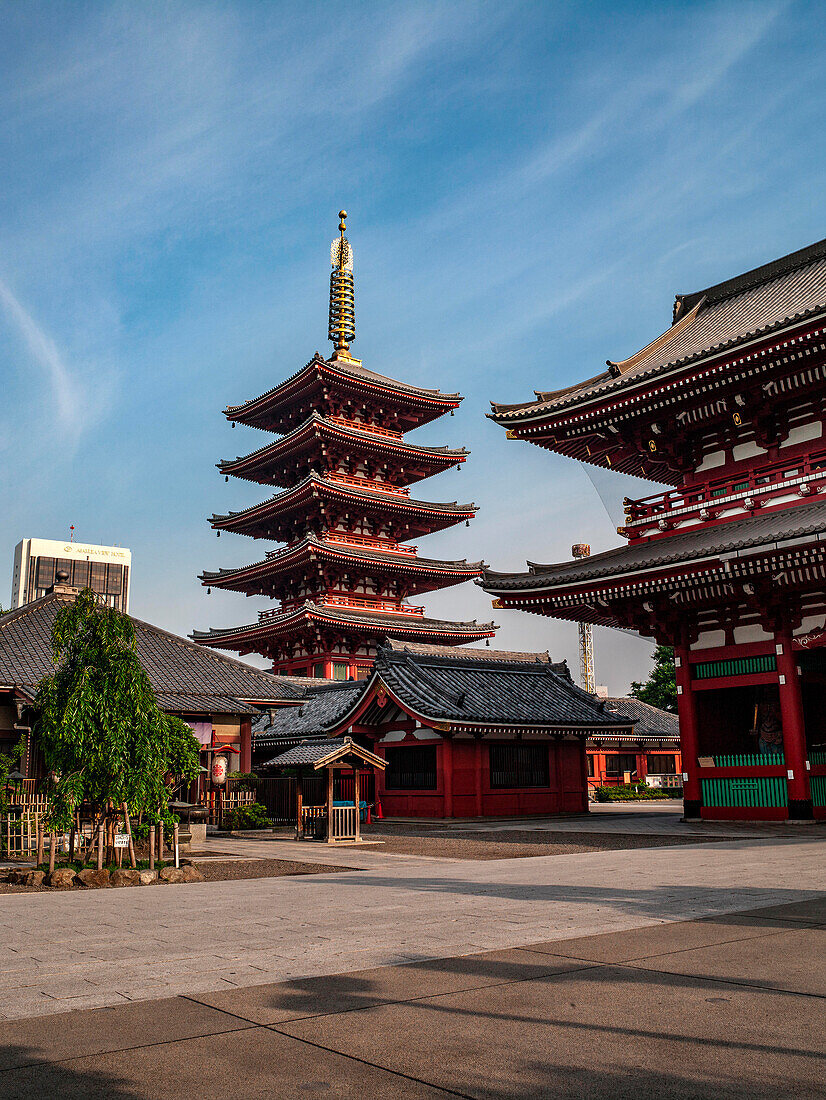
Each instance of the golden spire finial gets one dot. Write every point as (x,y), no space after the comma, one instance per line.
(342,326)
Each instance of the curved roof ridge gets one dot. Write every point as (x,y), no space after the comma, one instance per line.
(353,370)
(365,434)
(340,486)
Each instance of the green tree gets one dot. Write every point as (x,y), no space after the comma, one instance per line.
(660,689)
(104,738)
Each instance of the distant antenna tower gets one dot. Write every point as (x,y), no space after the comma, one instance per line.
(586,633)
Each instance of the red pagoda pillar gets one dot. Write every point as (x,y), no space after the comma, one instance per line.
(794,729)
(689,733)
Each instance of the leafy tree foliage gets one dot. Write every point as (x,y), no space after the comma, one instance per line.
(103,735)
(660,689)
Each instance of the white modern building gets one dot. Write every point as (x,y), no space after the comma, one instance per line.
(104,569)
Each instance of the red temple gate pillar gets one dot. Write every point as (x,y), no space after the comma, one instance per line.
(477,774)
(794,729)
(245,763)
(689,734)
(447,776)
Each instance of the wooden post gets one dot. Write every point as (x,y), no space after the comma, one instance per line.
(39,841)
(330,774)
(357,800)
(299,807)
(175,844)
(100,846)
(151,847)
(132,859)
(51,851)
(160,842)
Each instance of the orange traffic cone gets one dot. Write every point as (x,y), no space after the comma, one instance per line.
(379,814)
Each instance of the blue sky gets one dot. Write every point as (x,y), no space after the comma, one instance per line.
(528,184)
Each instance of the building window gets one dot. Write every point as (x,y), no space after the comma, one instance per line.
(411,769)
(362,672)
(617,763)
(519,766)
(590,766)
(318,671)
(339,670)
(661,764)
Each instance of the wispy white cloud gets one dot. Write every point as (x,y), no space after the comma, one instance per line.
(63,386)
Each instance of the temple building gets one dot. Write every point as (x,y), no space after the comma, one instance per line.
(727,565)
(461,732)
(345,512)
(218,696)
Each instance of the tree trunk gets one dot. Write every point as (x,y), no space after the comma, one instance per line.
(100,844)
(39,842)
(151,847)
(51,851)
(132,859)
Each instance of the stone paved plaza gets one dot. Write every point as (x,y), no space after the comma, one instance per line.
(90,949)
(687,972)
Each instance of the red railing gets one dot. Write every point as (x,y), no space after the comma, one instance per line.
(803,476)
(371,542)
(371,603)
(330,599)
(356,425)
(367,483)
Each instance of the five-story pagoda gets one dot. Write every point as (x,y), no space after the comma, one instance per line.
(345,511)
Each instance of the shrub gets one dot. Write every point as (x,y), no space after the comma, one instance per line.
(253,816)
(634,793)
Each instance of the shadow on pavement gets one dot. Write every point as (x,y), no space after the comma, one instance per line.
(29,1075)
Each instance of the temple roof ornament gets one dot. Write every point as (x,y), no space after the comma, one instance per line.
(342,326)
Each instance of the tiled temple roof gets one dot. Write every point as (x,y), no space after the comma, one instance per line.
(707,322)
(650,723)
(387,559)
(466,688)
(763,530)
(352,372)
(321,425)
(379,624)
(313,483)
(186,677)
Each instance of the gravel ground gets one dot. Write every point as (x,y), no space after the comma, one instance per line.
(215,870)
(516,844)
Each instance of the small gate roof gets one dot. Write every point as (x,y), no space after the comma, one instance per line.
(323,752)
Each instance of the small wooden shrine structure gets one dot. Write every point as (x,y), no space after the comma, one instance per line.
(340,823)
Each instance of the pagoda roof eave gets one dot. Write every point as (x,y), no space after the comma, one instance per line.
(310,548)
(380,624)
(769,531)
(349,373)
(376,441)
(314,484)
(738,312)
